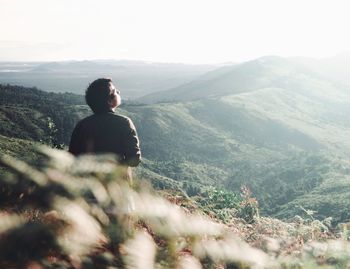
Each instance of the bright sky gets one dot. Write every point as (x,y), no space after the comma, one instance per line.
(189,31)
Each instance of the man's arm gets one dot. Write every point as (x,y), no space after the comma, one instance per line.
(131,145)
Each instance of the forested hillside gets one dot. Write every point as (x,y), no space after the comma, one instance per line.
(196,143)
(289,150)
(33,114)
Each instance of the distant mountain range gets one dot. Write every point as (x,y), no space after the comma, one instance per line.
(295,74)
(156,82)
(134,78)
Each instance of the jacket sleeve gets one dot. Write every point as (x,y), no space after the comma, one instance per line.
(131,145)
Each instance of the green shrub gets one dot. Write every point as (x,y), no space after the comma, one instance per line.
(248,207)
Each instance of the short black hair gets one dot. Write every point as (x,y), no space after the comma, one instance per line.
(98,94)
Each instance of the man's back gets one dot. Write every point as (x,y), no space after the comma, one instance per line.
(107,133)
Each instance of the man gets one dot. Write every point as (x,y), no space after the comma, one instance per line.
(105,131)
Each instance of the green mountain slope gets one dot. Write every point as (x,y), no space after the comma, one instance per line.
(21,148)
(273,125)
(280,160)
(33,114)
(210,142)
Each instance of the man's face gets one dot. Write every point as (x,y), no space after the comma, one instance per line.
(115,100)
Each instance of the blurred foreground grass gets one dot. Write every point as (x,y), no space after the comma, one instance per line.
(66,212)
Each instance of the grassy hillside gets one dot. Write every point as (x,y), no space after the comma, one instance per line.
(18,148)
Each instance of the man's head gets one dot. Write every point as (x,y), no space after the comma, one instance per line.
(102,96)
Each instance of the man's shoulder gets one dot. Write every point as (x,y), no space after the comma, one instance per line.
(108,118)
(121,117)
(86,120)
(113,116)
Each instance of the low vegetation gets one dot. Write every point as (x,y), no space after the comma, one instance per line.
(66,212)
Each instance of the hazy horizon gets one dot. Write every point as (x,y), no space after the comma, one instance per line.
(190,32)
(345,53)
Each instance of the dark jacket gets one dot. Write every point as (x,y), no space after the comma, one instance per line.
(107,133)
